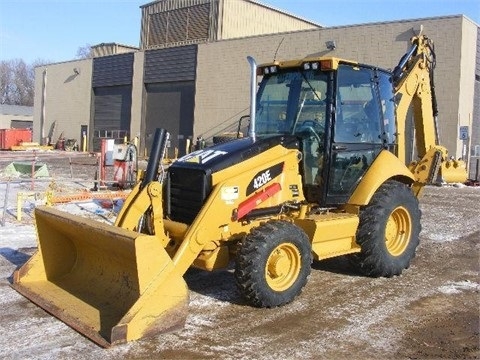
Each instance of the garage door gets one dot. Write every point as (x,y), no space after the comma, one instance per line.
(170,106)
(170,85)
(112,89)
(112,113)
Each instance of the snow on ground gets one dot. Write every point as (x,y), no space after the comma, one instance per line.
(449,224)
(445,227)
(458,287)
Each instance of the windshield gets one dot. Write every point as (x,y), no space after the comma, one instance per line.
(288,100)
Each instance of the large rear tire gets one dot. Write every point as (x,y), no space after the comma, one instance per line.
(273,264)
(388,232)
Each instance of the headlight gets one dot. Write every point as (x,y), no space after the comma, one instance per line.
(311,66)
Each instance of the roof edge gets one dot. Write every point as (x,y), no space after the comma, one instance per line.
(256,2)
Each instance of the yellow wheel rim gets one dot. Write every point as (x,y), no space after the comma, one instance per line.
(283,267)
(398,231)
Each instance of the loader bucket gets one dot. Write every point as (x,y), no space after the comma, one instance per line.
(110,284)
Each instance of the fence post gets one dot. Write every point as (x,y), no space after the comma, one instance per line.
(5,202)
(19,206)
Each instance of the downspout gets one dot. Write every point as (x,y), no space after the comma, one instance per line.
(44,99)
(253,96)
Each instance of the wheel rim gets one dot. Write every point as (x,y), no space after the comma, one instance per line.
(283,267)
(398,231)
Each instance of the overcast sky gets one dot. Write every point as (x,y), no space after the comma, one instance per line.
(53,30)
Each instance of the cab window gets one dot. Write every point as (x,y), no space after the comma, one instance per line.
(358,110)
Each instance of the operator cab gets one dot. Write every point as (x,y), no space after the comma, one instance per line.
(342,112)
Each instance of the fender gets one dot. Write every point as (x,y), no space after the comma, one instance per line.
(385,166)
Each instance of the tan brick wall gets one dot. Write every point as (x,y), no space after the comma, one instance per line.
(67,100)
(466,93)
(222,91)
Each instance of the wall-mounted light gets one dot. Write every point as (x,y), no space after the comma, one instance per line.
(76,71)
(331,45)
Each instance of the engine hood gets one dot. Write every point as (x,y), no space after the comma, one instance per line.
(222,156)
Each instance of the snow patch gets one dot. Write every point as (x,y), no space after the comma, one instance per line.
(459,287)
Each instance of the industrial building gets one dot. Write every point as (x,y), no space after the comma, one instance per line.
(190,74)
(16,117)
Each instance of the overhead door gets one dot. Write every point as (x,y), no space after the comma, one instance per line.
(170,106)
(112,89)
(112,109)
(170,85)
(21,124)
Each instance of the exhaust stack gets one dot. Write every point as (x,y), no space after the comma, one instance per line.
(253,95)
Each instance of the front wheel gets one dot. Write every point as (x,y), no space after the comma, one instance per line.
(388,232)
(273,264)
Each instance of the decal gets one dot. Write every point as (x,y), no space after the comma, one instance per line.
(202,156)
(294,190)
(229,194)
(264,177)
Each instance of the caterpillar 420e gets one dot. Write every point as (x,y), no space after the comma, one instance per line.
(321,174)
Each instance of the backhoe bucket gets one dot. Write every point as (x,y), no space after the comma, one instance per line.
(453,171)
(110,284)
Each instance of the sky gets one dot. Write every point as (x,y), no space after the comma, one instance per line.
(54,30)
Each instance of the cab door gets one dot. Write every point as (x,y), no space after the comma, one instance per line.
(357,131)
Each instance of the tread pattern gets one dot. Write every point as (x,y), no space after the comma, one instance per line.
(374,259)
(253,255)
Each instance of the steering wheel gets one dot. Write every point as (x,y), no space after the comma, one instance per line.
(311,126)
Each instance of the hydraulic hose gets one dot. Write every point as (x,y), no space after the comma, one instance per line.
(156,154)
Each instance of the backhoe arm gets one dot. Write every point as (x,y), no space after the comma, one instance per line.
(414,87)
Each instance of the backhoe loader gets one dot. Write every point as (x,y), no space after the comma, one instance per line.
(322,173)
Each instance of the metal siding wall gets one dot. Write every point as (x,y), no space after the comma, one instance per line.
(243,18)
(170,65)
(112,70)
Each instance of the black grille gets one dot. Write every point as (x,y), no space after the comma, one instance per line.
(187,191)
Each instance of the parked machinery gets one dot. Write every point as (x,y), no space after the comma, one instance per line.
(321,174)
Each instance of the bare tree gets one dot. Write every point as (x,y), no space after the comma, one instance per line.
(17,81)
(23,84)
(84,52)
(6,96)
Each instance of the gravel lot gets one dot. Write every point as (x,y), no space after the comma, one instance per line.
(431,311)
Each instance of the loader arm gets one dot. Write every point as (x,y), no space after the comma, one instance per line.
(414,88)
(143,209)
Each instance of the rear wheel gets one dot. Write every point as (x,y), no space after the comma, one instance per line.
(273,264)
(389,231)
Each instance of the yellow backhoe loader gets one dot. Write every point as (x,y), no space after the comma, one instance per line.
(322,173)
